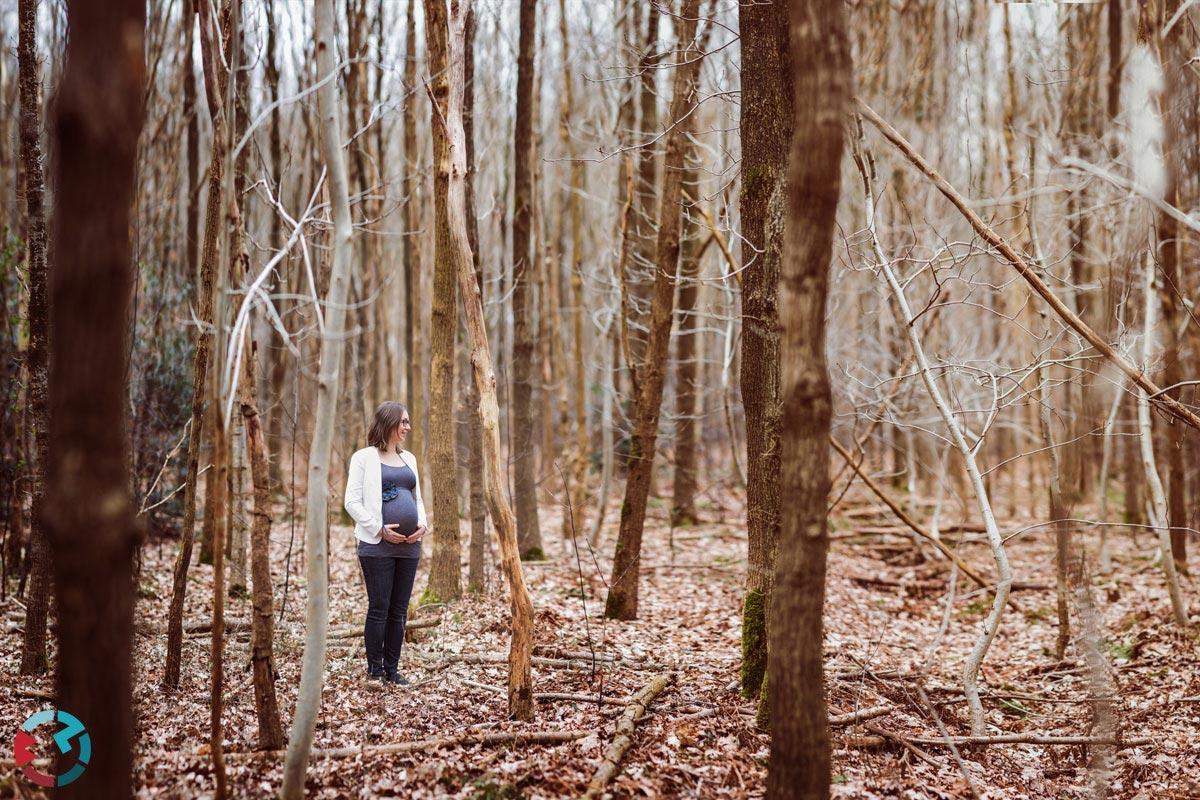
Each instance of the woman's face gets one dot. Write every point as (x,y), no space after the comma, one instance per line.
(401,431)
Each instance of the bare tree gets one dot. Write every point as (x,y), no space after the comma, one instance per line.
(37,600)
(524,369)
(521,704)
(445,572)
(622,600)
(312,675)
(98,117)
(766,136)
(216,82)
(821,68)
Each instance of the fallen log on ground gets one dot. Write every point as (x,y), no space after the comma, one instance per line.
(623,740)
(564,663)
(579,698)
(854,717)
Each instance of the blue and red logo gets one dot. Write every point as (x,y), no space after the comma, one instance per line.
(23,747)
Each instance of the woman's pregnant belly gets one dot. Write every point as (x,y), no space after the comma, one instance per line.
(402,512)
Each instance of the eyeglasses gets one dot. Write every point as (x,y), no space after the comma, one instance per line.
(405,423)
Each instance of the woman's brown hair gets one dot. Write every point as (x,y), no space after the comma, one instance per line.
(387,419)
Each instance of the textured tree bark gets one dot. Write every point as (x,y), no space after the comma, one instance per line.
(278,355)
(683,491)
(37,599)
(445,570)
(476,579)
(622,600)
(642,264)
(411,214)
(521,704)
(98,117)
(262,622)
(822,73)
(1173,101)
(766,136)
(524,367)
(215,80)
(312,673)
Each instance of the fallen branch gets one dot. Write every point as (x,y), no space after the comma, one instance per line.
(425,745)
(578,698)
(623,740)
(855,717)
(1029,273)
(915,526)
(881,736)
(563,663)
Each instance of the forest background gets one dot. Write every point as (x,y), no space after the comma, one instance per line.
(634,268)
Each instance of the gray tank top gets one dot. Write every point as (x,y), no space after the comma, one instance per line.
(400,509)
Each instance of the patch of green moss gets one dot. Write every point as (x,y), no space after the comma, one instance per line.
(428,597)
(533,554)
(754,643)
(763,718)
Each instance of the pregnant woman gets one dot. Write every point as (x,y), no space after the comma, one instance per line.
(383,495)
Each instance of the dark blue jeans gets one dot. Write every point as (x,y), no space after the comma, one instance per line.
(389,586)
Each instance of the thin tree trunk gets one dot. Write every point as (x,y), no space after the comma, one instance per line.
(524,451)
(1158,500)
(573,522)
(445,571)
(683,494)
(262,621)
(799,765)
(476,579)
(766,136)
(37,599)
(622,600)
(642,264)
(98,118)
(215,81)
(278,354)
(312,673)
(411,214)
(521,704)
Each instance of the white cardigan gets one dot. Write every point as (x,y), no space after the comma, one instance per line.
(364,493)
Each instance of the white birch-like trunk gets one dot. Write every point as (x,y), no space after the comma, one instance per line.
(1158,498)
(1004,583)
(312,674)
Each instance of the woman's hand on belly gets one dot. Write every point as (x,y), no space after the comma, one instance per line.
(416,535)
(390,535)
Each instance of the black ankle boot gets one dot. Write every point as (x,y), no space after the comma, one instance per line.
(397,679)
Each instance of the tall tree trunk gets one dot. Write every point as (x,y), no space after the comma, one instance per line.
(411,214)
(191,114)
(37,600)
(687,368)
(524,456)
(98,118)
(476,579)
(312,673)
(445,571)
(622,600)
(520,683)
(573,522)
(278,354)
(643,234)
(215,80)
(766,136)
(821,73)
(262,621)
(1173,102)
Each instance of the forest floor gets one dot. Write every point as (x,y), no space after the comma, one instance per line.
(886,604)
